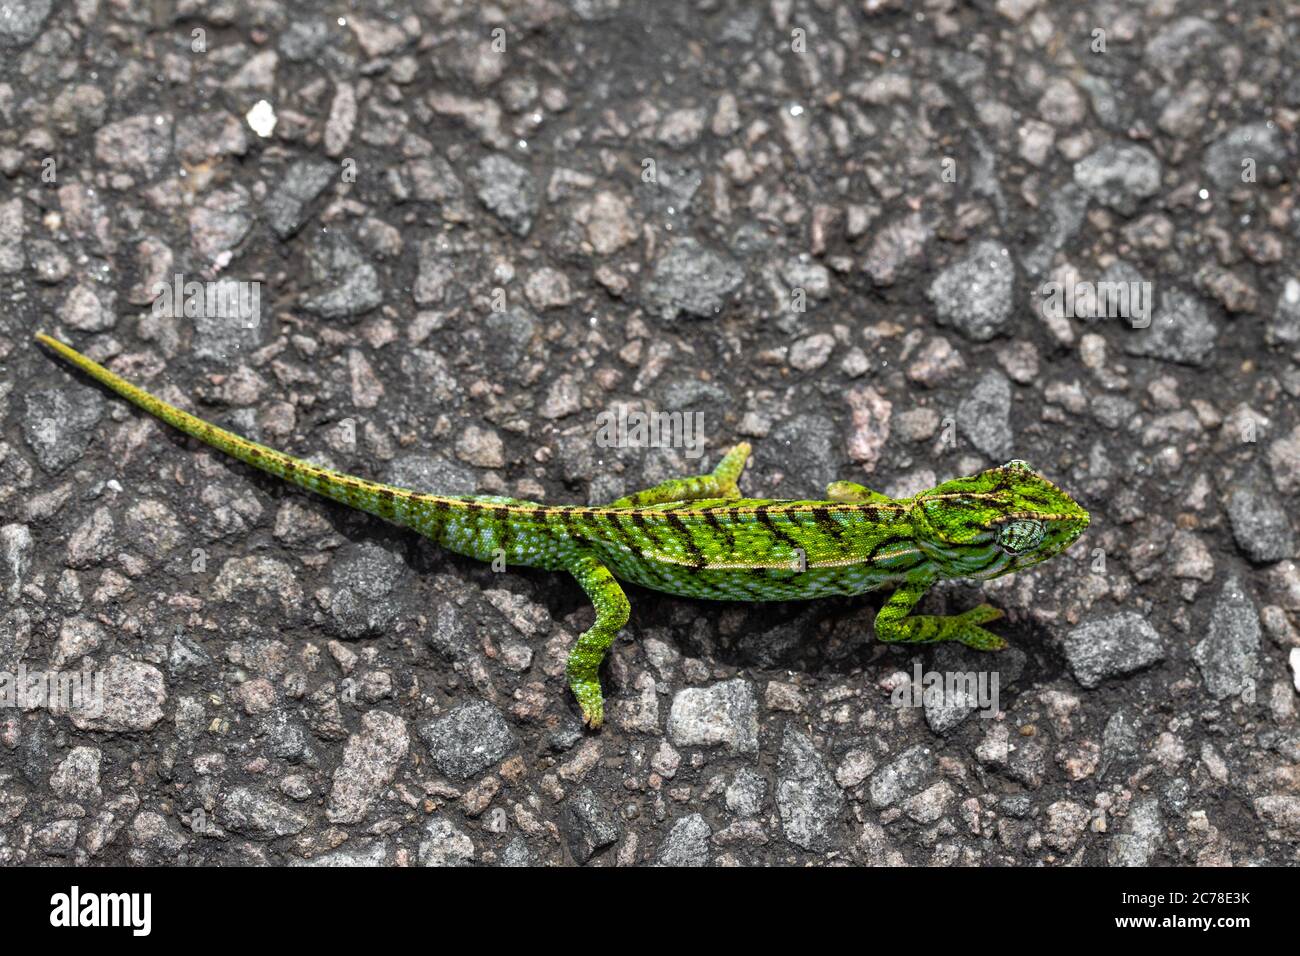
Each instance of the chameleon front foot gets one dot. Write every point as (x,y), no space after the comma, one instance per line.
(894,623)
(972,635)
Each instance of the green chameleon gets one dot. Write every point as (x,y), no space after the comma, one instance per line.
(697,537)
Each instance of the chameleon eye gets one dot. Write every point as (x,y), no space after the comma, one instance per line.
(1017,537)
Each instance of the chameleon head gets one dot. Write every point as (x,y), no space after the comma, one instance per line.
(996,522)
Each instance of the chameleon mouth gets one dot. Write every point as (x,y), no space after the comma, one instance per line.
(1076,525)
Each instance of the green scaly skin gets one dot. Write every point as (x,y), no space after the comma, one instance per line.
(696,537)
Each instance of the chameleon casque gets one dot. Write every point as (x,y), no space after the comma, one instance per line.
(698,538)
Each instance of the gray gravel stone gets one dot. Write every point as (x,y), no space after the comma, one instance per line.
(901,776)
(140,145)
(224,337)
(206,136)
(132,699)
(88,309)
(691,279)
(20,21)
(1140,836)
(370,761)
(518,853)
(747,793)
(1260,524)
(287,204)
(588,825)
(218,224)
(1229,655)
(1027,762)
(254,813)
(811,804)
(78,636)
(303,39)
(984,416)
(258,582)
(1112,646)
(507,189)
(77,775)
(431,473)
(12,228)
(1066,822)
(1282,811)
(687,843)
(946,710)
(808,448)
(724,714)
(1119,741)
(365,577)
(351,284)
(468,740)
(445,844)
(900,243)
(1181,331)
(363,853)
(58,424)
(975,295)
(1181,41)
(1119,175)
(1259,144)
(930,804)
(1284,329)
(57,838)
(15,559)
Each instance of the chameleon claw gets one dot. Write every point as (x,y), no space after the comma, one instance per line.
(593,713)
(589,700)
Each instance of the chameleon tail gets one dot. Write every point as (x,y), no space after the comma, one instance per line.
(382,500)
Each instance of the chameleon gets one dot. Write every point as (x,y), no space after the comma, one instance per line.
(697,537)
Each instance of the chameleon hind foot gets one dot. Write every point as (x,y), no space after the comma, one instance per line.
(719,483)
(583,665)
(587,690)
(853,492)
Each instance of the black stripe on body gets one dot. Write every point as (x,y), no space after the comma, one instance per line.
(503,530)
(570,527)
(616,524)
(643,526)
(721,530)
(766,521)
(828,524)
(692,549)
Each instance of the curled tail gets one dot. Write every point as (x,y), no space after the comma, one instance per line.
(386,501)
